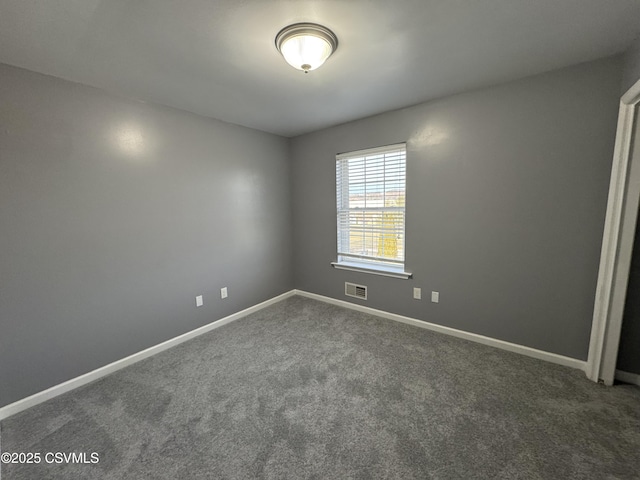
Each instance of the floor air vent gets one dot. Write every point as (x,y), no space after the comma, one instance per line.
(353,290)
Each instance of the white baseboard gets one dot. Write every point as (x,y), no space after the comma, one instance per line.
(74,383)
(628,377)
(511,347)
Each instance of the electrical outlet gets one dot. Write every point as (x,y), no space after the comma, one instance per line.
(223,292)
(199,301)
(417,293)
(435,297)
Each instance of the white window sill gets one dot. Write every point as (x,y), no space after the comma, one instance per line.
(373,269)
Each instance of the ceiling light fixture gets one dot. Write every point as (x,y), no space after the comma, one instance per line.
(306,46)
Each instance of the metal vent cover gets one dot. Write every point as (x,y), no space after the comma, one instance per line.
(353,290)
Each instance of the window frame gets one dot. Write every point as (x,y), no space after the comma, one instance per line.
(366,263)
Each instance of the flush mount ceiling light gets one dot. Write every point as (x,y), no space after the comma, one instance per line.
(306,46)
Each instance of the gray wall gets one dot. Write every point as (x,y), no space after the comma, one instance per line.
(506,198)
(114,215)
(631,69)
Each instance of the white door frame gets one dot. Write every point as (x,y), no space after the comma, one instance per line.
(617,246)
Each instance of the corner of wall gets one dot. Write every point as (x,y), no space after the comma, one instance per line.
(631,66)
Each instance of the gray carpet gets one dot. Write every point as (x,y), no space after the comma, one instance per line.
(303,389)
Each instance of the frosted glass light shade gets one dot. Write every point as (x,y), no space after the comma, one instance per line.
(305,52)
(306,46)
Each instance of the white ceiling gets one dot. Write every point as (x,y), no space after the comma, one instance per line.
(217,57)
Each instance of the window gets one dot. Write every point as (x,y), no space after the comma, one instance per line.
(370,186)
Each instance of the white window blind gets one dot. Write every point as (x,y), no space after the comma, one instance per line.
(371,205)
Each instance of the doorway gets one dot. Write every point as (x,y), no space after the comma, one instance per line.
(617,243)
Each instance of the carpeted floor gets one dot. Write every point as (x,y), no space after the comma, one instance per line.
(304,389)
